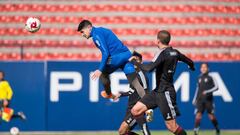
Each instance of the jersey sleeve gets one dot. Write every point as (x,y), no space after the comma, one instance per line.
(186,60)
(150,66)
(101,43)
(9,90)
(213,88)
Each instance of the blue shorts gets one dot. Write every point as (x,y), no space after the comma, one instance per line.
(119,61)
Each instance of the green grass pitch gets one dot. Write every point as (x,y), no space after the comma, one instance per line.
(202,132)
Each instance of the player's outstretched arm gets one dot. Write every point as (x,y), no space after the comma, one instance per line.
(100,42)
(186,60)
(149,66)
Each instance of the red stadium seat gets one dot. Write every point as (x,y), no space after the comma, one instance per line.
(179,26)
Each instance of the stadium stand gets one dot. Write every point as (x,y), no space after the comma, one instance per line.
(204,30)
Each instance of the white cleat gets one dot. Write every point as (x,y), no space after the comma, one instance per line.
(22,115)
(149,115)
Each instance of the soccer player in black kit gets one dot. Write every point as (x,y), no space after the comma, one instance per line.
(203,99)
(164,95)
(129,121)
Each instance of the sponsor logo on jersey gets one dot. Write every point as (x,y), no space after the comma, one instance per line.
(168,116)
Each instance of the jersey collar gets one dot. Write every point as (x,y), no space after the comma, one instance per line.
(92,31)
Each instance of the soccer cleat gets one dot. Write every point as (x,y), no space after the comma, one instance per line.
(105,95)
(217,132)
(195,132)
(149,115)
(22,115)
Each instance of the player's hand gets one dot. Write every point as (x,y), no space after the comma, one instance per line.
(192,68)
(132,58)
(194,103)
(96,74)
(5,103)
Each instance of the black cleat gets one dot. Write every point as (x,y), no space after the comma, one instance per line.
(195,133)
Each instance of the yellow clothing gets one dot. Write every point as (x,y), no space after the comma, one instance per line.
(5,90)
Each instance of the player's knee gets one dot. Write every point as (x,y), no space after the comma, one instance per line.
(211,116)
(138,109)
(198,116)
(134,111)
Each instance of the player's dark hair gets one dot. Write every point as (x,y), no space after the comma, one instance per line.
(83,24)
(135,53)
(164,37)
(205,63)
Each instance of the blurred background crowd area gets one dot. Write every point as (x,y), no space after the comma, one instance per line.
(205,30)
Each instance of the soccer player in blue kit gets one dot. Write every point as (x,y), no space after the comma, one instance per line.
(115,55)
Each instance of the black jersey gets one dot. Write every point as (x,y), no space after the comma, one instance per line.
(206,85)
(165,63)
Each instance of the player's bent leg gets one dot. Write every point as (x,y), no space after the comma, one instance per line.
(133,80)
(171,125)
(174,127)
(138,109)
(20,115)
(107,93)
(125,129)
(214,122)
(198,118)
(104,78)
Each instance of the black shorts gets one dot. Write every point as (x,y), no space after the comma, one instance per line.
(166,101)
(201,106)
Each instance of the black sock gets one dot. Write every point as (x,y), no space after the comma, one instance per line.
(215,123)
(106,83)
(131,133)
(145,129)
(14,116)
(180,131)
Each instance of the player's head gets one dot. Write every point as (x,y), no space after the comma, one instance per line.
(85,27)
(163,38)
(138,56)
(1,75)
(204,68)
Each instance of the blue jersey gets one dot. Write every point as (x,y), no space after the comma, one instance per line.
(108,43)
